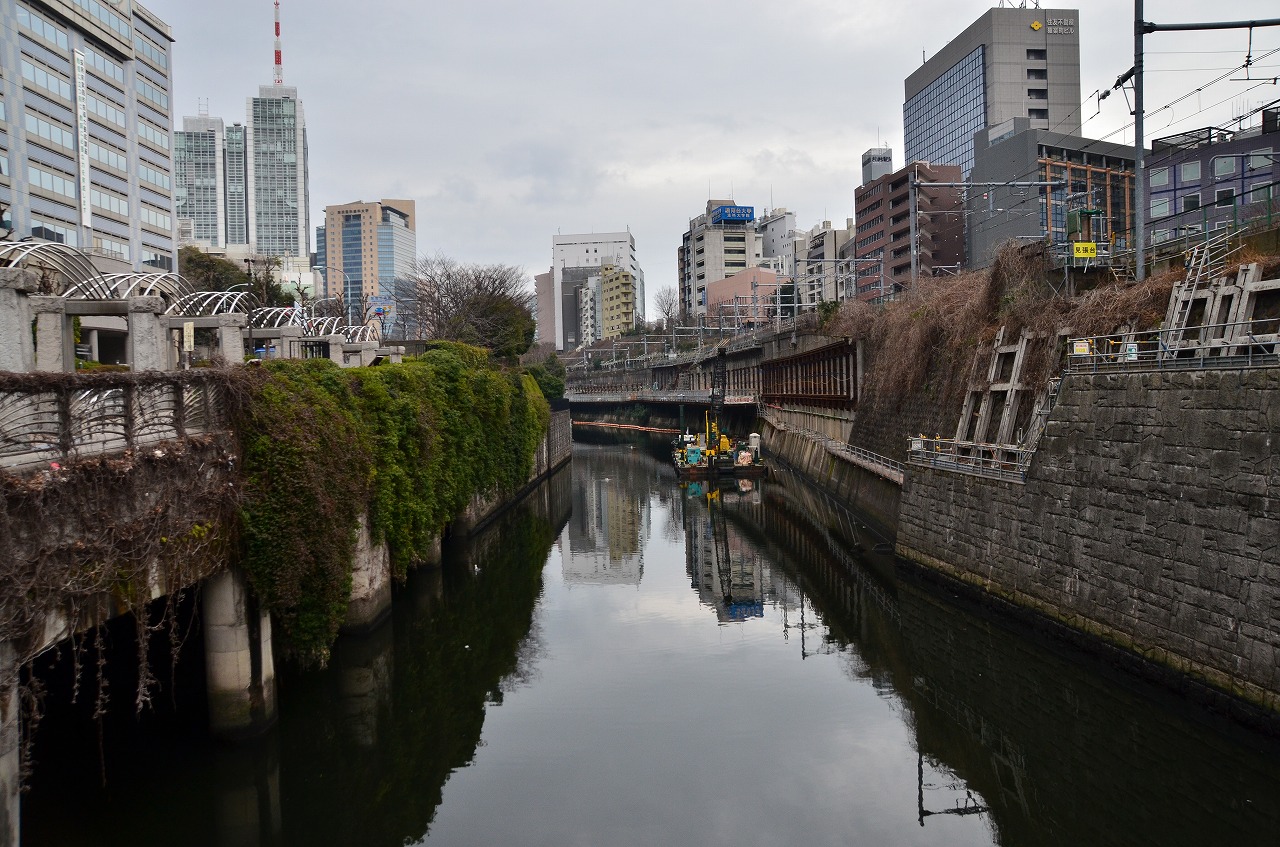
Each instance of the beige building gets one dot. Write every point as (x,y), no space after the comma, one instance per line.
(363,248)
(617,300)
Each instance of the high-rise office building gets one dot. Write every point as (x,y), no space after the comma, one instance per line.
(236,186)
(86,118)
(590,251)
(276,158)
(365,248)
(1010,63)
(199,177)
(276,133)
(246,184)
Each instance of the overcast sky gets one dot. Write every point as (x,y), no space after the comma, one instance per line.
(510,121)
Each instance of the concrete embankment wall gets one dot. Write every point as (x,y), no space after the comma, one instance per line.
(1150,519)
(874,498)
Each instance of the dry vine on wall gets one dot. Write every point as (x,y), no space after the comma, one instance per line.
(88,538)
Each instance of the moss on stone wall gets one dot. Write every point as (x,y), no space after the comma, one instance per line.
(408,444)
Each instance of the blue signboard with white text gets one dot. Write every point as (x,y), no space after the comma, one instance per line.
(737,214)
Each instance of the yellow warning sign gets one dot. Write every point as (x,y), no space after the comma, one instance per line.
(1084,249)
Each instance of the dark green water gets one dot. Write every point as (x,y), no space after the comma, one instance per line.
(625,662)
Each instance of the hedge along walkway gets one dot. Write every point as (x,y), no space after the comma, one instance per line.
(408,444)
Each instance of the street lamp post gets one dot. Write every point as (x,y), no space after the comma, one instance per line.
(347,303)
(248,269)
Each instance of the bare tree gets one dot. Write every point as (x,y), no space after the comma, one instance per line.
(667,302)
(486,305)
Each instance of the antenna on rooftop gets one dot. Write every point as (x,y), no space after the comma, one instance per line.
(279,66)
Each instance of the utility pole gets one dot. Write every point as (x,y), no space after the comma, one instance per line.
(1141,28)
(1139,179)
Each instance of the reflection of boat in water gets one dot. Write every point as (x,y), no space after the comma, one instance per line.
(713,453)
(727,572)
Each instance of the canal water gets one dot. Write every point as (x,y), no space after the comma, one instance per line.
(626,661)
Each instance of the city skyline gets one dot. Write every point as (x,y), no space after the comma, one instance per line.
(502,142)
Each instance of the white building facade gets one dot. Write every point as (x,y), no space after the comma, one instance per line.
(589,251)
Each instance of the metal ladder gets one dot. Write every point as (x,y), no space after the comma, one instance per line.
(1207,263)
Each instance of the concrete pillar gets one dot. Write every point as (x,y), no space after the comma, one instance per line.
(240,671)
(230,338)
(336,343)
(370,583)
(17,351)
(148,343)
(55,343)
(10,747)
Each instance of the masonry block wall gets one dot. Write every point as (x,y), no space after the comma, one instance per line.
(1150,518)
(875,499)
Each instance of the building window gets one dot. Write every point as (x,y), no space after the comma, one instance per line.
(1159,236)
(1038,114)
(1037,94)
(1226,196)
(1223,165)
(1260,160)
(1034,55)
(1159,177)
(1190,202)
(1190,171)
(1160,208)
(1261,192)
(1037,73)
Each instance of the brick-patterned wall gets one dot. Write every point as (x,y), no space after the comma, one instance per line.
(1150,518)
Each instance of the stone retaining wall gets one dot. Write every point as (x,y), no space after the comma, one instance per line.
(1150,519)
(872,496)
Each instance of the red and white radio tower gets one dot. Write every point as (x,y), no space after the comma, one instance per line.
(279,77)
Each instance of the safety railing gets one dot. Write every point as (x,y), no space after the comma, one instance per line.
(993,461)
(1246,344)
(882,466)
(43,425)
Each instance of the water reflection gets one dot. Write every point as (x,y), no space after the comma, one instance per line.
(611,520)
(719,665)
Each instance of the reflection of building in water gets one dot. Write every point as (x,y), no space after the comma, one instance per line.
(610,522)
(725,568)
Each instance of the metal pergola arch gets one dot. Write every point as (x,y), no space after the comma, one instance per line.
(205,303)
(76,268)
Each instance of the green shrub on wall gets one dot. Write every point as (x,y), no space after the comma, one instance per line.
(410,445)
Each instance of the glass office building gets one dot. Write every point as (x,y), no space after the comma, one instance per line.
(1009,64)
(85,118)
(279,222)
(939,122)
(198,158)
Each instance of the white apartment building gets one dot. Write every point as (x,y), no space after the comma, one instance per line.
(589,251)
(718,244)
